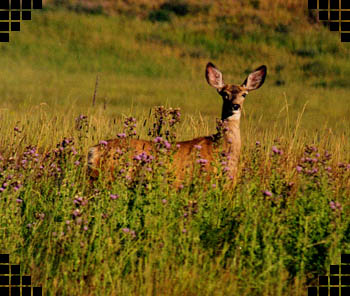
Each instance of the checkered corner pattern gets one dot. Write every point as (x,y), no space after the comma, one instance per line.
(337,283)
(336,14)
(11,14)
(12,282)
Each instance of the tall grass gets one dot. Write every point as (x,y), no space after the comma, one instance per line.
(284,221)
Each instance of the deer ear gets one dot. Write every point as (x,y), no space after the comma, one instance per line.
(214,76)
(255,79)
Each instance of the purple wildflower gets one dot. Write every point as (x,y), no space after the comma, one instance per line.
(299,168)
(167,145)
(103,143)
(158,139)
(202,161)
(267,193)
(114,196)
(137,157)
(121,135)
(332,205)
(275,150)
(76,212)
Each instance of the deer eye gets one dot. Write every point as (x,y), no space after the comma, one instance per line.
(244,95)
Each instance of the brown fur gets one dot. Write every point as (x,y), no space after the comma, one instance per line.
(105,157)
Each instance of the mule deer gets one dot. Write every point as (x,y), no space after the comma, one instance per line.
(105,157)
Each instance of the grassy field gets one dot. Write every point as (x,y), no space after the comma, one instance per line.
(284,222)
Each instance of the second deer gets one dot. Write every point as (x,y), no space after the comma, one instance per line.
(105,156)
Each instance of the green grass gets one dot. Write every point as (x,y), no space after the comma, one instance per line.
(238,242)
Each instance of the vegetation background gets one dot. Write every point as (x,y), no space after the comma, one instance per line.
(287,218)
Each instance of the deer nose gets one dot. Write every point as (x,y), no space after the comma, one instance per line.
(236,107)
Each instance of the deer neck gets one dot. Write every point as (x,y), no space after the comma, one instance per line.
(232,136)
(232,143)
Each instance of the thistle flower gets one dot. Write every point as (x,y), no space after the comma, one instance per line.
(198,147)
(76,212)
(202,161)
(275,149)
(158,140)
(137,157)
(167,145)
(267,193)
(332,205)
(299,168)
(121,135)
(103,143)
(114,196)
